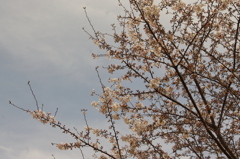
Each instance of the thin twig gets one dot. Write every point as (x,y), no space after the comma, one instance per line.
(89,21)
(55,112)
(114,131)
(18,107)
(100,80)
(53,156)
(81,153)
(85,119)
(33,95)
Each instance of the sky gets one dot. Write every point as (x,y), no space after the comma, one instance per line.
(43,42)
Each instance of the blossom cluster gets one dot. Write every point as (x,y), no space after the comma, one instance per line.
(154,83)
(66,146)
(111,99)
(43,117)
(151,13)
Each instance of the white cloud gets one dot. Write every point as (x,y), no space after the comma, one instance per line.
(33,153)
(6,149)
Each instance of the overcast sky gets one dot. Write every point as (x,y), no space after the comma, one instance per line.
(42,41)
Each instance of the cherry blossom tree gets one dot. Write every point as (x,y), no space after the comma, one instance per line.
(177,77)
